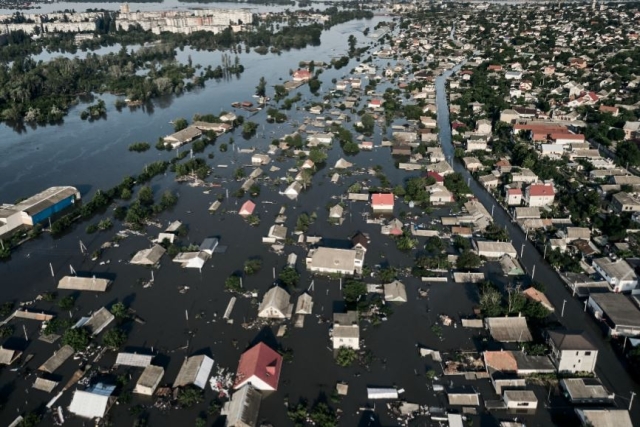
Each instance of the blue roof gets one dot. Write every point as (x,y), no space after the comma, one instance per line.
(102,389)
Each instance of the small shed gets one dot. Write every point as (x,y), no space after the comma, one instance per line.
(215,206)
(149,380)
(336,212)
(195,370)
(149,256)
(463,398)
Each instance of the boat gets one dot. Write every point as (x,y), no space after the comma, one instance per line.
(235,104)
(246,104)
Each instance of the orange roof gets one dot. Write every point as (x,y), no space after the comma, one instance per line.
(382,199)
(247,208)
(503,361)
(514,191)
(536,295)
(541,190)
(573,136)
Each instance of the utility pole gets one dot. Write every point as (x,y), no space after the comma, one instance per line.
(533,273)
(633,394)
(563,304)
(585,305)
(521,251)
(492,207)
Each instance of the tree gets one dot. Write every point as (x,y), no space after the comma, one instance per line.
(289,277)
(496,233)
(66,303)
(119,310)
(189,396)
(491,303)
(405,242)
(261,88)
(434,245)
(368,123)
(627,152)
(249,128)
(252,265)
(317,155)
(30,420)
(353,290)
(346,356)
(168,200)
(468,260)
(323,416)
(77,338)
(314,85)
(233,283)
(114,338)
(145,196)
(461,243)
(387,275)
(180,124)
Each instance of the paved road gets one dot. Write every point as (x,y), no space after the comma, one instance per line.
(609,368)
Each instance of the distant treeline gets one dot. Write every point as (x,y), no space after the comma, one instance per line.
(267,2)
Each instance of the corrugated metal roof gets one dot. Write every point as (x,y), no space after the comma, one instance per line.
(133,359)
(58,358)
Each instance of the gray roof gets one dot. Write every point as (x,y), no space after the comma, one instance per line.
(508,329)
(57,359)
(7,357)
(395,291)
(585,389)
(618,308)
(149,256)
(527,362)
(44,384)
(605,417)
(185,135)
(150,376)
(463,398)
(84,283)
(332,258)
(520,395)
(571,340)
(348,318)
(304,304)
(276,298)
(47,198)
(244,407)
(618,269)
(195,370)
(99,320)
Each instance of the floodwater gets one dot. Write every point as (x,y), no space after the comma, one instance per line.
(94,155)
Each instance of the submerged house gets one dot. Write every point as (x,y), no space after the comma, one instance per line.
(243,408)
(259,366)
(194,371)
(275,304)
(93,402)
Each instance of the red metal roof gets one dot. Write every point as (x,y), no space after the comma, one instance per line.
(541,190)
(573,136)
(514,191)
(382,199)
(262,362)
(436,176)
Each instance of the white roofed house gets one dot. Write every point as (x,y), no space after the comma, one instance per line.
(346,331)
(293,190)
(439,194)
(94,402)
(275,304)
(618,273)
